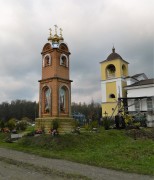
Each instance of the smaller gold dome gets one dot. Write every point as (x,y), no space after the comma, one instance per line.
(50,38)
(61,38)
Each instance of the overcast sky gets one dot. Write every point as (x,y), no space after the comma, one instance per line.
(90,28)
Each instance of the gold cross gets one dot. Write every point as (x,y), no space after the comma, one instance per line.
(61,32)
(56,29)
(50,32)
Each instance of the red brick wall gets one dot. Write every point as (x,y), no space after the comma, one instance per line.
(49,74)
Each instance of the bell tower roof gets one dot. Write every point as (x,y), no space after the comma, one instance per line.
(114,56)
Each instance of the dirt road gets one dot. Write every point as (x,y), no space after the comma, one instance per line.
(16,165)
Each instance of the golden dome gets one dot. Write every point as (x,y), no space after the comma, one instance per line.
(55,38)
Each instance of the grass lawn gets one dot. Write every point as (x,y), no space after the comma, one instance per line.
(108,148)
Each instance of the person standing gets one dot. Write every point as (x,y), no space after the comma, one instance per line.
(117,121)
(123,124)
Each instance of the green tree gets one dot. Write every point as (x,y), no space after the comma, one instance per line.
(18,109)
(91,111)
(2,125)
(11,124)
(4,111)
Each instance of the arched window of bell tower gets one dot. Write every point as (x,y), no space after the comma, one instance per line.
(47,60)
(124,70)
(110,71)
(64,60)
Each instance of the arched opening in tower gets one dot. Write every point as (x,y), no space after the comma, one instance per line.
(110,71)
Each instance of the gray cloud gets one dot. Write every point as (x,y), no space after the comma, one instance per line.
(90,29)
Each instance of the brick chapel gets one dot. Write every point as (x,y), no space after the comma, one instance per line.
(55,84)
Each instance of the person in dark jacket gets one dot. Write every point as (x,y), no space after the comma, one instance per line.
(117,120)
(122,120)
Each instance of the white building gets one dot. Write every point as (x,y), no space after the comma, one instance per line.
(140,96)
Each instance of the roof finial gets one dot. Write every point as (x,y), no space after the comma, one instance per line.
(61,36)
(113,49)
(50,36)
(50,32)
(61,32)
(56,29)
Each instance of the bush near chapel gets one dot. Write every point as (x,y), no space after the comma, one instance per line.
(106,123)
(11,124)
(21,125)
(55,124)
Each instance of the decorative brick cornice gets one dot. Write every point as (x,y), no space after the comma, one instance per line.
(63,51)
(55,77)
(47,51)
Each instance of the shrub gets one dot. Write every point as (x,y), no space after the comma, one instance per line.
(128,119)
(22,125)
(91,125)
(11,124)
(106,123)
(77,124)
(112,122)
(87,127)
(140,119)
(27,119)
(94,124)
(32,133)
(55,124)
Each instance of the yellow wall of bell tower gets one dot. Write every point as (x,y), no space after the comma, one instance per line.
(111,89)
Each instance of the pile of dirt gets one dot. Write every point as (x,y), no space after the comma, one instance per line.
(146,133)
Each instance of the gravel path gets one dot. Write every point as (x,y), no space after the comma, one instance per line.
(36,166)
(13,172)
